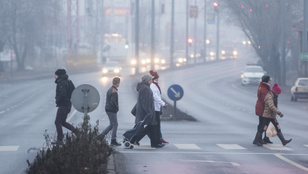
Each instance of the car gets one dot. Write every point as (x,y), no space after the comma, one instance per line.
(252,74)
(111,69)
(300,89)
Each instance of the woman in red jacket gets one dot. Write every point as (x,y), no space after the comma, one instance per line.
(264,88)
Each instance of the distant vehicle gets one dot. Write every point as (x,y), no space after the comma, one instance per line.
(252,74)
(111,69)
(229,52)
(300,89)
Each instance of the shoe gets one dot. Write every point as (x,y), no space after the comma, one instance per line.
(267,140)
(164,141)
(257,139)
(114,143)
(136,143)
(158,145)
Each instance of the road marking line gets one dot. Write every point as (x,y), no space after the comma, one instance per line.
(1,112)
(230,146)
(291,162)
(306,145)
(187,146)
(210,161)
(71,116)
(8,148)
(276,147)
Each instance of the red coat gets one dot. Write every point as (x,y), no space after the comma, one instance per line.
(262,91)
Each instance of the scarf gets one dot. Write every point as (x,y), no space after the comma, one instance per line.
(157,86)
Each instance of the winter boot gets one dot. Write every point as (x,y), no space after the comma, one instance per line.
(266,139)
(114,143)
(257,139)
(283,141)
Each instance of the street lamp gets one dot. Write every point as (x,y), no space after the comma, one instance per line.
(215,4)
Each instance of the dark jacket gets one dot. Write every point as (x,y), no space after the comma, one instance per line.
(145,104)
(260,105)
(112,104)
(62,91)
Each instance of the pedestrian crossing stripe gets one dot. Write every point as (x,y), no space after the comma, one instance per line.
(231,146)
(187,146)
(276,147)
(306,145)
(8,148)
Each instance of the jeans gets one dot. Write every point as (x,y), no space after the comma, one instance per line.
(113,125)
(61,121)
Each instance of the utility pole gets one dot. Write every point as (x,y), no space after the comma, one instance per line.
(204,32)
(195,36)
(187,22)
(283,40)
(172,36)
(153,35)
(217,30)
(137,36)
(304,35)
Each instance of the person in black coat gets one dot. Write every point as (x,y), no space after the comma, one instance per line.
(145,111)
(64,104)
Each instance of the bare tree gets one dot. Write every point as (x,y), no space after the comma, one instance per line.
(260,20)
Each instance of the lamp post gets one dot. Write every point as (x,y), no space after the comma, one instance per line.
(215,4)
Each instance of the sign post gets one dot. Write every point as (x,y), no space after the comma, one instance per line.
(303,56)
(175,93)
(85,98)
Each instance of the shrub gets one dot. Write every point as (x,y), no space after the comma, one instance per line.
(82,153)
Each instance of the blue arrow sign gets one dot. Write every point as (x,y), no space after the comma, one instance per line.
(175,92)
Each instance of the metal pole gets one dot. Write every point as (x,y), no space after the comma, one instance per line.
(204,37)
(187,21)
(283,40)
(195,36)
(174,111)
(137,36)
(153,35)
(172,36)
(217,35)
(304,35)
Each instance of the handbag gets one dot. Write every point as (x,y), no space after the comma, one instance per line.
(271,130)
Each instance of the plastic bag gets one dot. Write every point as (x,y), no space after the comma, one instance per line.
(271,130)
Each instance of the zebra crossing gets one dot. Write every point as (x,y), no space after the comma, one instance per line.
(233,147)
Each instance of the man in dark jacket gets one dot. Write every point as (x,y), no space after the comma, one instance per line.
(111,108)
(145,111)
(63,102)
(264,88)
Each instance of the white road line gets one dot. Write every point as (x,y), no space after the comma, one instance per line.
(187,146)
(8,148)
(306,145)
(230,146)
(210,161)
(291,162)
(2,112)
(71,116)
(276,147)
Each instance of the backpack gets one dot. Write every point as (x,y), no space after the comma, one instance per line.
(71,88)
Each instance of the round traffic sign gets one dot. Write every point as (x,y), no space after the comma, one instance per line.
(175,92)
(85,98)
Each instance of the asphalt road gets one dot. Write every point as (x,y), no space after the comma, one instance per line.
(219,142)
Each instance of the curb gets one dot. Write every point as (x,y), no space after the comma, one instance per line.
(111,165)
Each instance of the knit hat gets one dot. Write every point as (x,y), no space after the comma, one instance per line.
(276,89)
(266,78)
(146,77)
(60,72)
(154,74)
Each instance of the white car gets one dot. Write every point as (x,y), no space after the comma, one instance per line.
(300,89)
(111,69)
(252,74)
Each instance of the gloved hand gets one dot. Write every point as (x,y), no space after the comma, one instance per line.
(280,114)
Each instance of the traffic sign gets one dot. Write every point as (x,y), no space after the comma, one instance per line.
(85,98)
(193,11)
(303,57)
(175,92)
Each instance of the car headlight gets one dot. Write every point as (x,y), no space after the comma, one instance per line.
(116,70)
(133,62)
(105,70)
(143,62)
(180,60)
(156,60)
(242,76)
(223,52)
(148,60)
(235,53)
(212,53)
(163,61)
